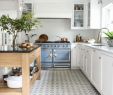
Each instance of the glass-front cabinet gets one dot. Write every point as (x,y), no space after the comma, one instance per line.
(77,21)
(78,15)
(86,14)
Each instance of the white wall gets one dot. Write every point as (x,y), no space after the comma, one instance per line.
(61,27)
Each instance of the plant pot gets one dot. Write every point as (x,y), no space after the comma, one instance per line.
(110,43)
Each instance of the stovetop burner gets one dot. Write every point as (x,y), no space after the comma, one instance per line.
(52,42)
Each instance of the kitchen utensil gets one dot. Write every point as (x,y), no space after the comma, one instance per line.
(43,38)
(63,39)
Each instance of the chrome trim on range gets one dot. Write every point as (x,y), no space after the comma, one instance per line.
(56,55)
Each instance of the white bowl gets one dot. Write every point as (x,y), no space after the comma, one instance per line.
(14,81)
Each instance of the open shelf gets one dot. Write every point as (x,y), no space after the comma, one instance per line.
(4,90)
(35,77)
(10,91)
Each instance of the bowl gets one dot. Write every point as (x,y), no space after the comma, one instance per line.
(14,81)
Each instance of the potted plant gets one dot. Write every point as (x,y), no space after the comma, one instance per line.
(110,38)
(13,26)
(29,24)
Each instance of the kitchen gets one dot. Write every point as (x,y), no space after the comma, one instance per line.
(69,66)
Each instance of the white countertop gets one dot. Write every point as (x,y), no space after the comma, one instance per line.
(101,48)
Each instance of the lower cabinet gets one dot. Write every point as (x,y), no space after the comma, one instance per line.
(96,70)
(89,62)
(81,58)
(74,57)
(98,67)
(107,74)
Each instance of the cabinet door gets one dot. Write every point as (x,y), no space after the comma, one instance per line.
(75,57)
(107,75)
(95,14)
(96,70)
(81,59)
(84,61)
(78,17)
(89,63)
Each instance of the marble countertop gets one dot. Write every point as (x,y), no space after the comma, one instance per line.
(9,49)
(105,48)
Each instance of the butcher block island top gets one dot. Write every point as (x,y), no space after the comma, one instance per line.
(20,58)
(9,49)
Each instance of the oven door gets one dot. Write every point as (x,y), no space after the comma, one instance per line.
(61,57)
(46,57)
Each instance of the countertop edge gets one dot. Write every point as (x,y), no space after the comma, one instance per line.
(17,51)
(105,48)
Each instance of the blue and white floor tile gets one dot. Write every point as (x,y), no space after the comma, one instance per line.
(63,82)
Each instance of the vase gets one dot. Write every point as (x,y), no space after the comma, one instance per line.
(110,42)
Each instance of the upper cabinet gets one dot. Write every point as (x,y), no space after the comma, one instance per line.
(86,14)
(53,9)
(106,2)
(26,6)
(95,14)
(78,14)
(107,15)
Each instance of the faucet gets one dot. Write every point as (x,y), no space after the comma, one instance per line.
(99,39)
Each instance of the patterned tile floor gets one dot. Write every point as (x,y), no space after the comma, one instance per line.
(63,82)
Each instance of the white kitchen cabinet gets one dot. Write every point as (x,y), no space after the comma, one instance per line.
(107,74)
(89,62)
(106,2)
(74,56)
(86,61)
(86,14)
(81,58)
(53,9)
(107,17)
(96,69)
(27,6)
(94,9)
(78,14)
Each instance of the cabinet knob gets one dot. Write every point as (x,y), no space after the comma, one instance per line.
(99,57)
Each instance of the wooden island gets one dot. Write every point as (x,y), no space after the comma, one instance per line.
(20,58)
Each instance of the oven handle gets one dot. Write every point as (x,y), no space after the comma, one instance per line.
(55,55)
(50,55)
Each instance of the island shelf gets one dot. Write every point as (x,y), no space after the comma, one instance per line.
(21,59)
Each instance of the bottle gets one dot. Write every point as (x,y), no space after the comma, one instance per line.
(76,38)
